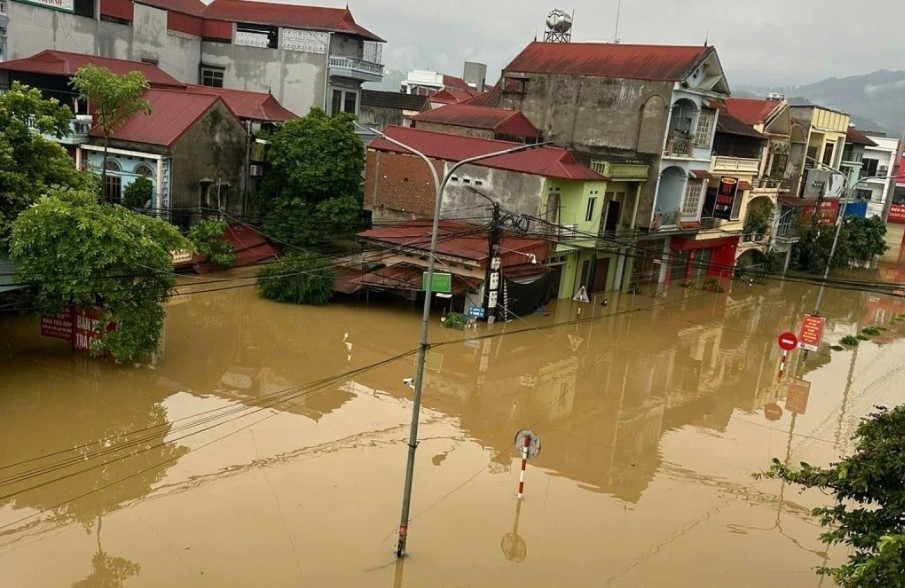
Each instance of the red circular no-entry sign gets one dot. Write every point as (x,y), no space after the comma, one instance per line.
(788,341)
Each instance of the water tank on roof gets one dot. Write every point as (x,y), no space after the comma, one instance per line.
(559,21)
(776,97)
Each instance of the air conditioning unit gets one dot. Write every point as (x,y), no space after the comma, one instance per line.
(256,170)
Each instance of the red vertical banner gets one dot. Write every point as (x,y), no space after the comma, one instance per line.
(811,333)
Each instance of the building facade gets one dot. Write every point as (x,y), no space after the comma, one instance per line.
(304,56)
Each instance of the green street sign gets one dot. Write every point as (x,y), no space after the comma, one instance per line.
(442,283)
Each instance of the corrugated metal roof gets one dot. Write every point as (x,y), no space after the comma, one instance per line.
(609,60)
(454,82)
(751,111)
(729,125)
(855,136)
(453,95)
(394,100)
(318,18)
(549,162)
(63,63)
(256,106)
(490,98)
(194,7)
(500,120)
(172,114)
(458,239)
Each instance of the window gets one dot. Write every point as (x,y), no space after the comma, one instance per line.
(211,76)
(869,167)
(704,134)
(589,213)
(143,170)
(778,166)
(828,154)
(113,189)
(692,200)
(737,204)
(862,194)
(343,101)
(515,85)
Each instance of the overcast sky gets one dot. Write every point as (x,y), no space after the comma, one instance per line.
(770,42)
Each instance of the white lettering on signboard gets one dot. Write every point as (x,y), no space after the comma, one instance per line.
(305,41)
(65,5)
(249,39)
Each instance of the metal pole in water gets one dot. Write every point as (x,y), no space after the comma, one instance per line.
(521,478)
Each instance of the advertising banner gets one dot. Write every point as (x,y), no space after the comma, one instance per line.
(726,194)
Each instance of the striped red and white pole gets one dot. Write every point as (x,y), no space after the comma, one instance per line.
(782,363)
(521,478)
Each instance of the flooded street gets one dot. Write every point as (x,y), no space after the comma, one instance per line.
(267,445)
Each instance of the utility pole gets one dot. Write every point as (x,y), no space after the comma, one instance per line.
(493,275)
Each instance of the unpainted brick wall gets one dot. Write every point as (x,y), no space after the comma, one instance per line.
(399,183)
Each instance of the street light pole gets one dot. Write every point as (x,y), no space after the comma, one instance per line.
(423,345)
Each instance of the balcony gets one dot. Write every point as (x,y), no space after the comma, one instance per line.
(735,165)
(679,148)
(357,69)
(79,127)
(666,220)
(624,172)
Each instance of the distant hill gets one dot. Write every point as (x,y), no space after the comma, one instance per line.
(876,100)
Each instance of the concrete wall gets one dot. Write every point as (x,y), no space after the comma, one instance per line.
(295,78)
(516,192)
(178,54)
(381,117)
(213,149)
(398,186)
(33,29)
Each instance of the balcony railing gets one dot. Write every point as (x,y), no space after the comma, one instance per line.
(621,171)
(741,165)
(350,67)
(666,219)
(679,148)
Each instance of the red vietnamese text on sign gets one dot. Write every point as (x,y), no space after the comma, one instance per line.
(811,333)
(58,326)
(727,192)
(787,341)
(797,396)
(897,214)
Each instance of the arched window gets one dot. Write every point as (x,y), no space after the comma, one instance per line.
(113,165)
(144,170)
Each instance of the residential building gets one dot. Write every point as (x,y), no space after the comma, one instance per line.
(546,190)
(877,165)
(852,166)
(305,56)
(382,109)
(479,121)
(426,82)
(644,116)
(818,142)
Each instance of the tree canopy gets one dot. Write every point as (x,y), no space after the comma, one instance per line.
(869,510)
(300,278)
(311,193)
(859,240)
(29,163)
(73,251)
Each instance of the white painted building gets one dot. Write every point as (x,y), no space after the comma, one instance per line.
(877,163)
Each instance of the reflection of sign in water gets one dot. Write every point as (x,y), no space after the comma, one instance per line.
(797,396)
(64,5)
(811,333)
(725,198)
(305,41)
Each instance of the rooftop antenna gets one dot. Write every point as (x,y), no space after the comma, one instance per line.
(559,27)
(707,38)
(616,38)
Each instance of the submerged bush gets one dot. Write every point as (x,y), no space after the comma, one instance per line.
(300,278)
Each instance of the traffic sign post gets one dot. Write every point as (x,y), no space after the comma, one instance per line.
(811,333)
(529,445)
(787,342)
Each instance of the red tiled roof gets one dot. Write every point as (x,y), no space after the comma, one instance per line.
(405,276)
(458,239)
(194,7)
(453,95)
(454,82)
(855,136)
(172,113)
(729,125)
(549,162)
(751,111)
(337,20)
(250,246)
(488,98)
(609,60)
(500,120)
(62,63)
(246,105)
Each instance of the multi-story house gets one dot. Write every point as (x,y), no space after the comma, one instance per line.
(642,115)
(305,56)
(852,166)
(873,183)
(818,142)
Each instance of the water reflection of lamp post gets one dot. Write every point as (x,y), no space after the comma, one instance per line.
(439,185)
(513,545)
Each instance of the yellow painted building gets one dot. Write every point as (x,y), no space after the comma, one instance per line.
(818,137)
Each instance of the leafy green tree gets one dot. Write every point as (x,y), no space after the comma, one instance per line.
(137,194)
(312,191)
(113,98)
(869,510)
(30,163)
(207,237)
(74,251)
(300,278)
(859,240)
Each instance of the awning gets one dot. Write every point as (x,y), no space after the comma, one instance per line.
(345,280)
(745,186)
(699,174)
(403,276)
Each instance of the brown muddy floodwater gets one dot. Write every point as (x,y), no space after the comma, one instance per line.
(266,446)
